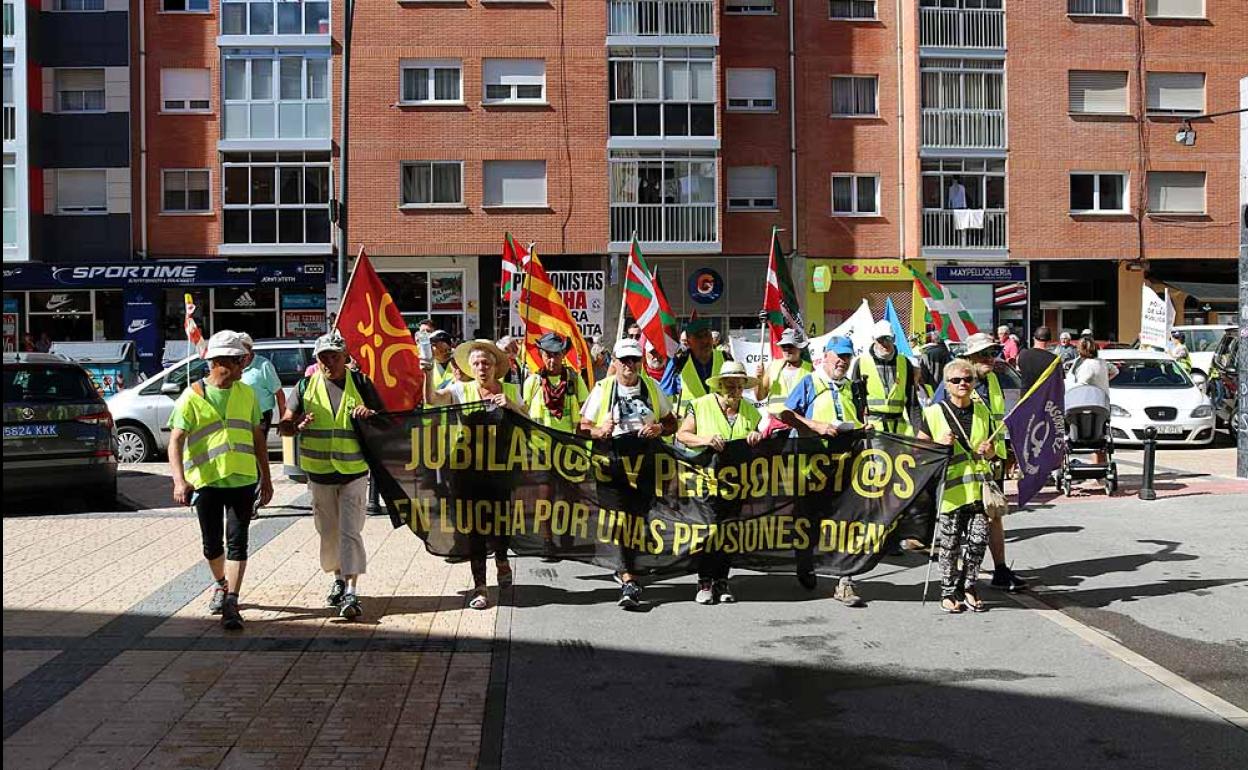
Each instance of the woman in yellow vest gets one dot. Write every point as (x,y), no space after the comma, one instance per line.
(964,424)
(217,454)
(777,381)
(714,420)
(487,364)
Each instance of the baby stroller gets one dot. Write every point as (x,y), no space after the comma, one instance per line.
(1087,433)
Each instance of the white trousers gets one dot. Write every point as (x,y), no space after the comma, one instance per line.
(338,511)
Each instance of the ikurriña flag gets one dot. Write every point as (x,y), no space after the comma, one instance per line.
(949,315)
(515,257)
(647,304)
(1037,428)
(378,339)
(543,310)
(780,306)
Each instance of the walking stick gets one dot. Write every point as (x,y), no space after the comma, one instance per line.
(936,544)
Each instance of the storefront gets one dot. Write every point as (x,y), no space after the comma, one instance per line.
(145,301)
(837,287)
(994,295)
(444,289)
(727,291)
(1072,295)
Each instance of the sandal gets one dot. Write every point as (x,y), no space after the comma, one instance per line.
(480,599)
(504,574)
(951,606)
(972,601)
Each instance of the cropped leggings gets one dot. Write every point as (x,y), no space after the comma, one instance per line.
(225,513)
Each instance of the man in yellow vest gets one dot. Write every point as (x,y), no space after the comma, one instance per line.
(443,365)
(964,424)
(687,373)
(890,382)
(217,455)
(822,405)
(626,406)
(320,410)
(777,380)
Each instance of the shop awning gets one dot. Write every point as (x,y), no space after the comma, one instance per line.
(1207,292)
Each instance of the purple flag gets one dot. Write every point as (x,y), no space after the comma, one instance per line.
(1037,428)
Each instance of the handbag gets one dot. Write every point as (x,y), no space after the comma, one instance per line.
(995,504)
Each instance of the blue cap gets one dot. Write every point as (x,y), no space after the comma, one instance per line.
(842,346)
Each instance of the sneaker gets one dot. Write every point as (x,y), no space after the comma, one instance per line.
(913,544)
(630,596)
(350,607)
(706,592)
(845,594)
(723,592)
(809,580)
(217,600)
(1004,578)
(231,619)
(334,598)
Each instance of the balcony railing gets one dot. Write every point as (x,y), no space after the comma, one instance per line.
(665,222)
(940,230)
(10,123)
(962,27)
(964,129)
(661,17)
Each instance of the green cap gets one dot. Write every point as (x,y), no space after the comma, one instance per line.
(697,325)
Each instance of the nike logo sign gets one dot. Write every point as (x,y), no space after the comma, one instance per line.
(138,325)
(58,302)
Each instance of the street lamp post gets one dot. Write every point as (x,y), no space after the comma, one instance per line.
(343,135)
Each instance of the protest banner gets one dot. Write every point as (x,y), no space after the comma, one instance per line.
(1037,427)
(582,292)
(455,474)
(1155,318)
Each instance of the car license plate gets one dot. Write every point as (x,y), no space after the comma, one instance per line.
(1169,429)
(29,431)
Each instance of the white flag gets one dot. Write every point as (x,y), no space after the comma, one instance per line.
(1155,318)
(857,327)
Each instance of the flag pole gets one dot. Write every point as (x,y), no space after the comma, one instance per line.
(1039,381)
(526,305)
(628,261)
(347,288)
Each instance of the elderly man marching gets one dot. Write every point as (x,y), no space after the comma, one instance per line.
(217,455)
(822,405)
(687,375)
(890,383)
(966,424)
(320,410)
(714,420)
(778,380)
(628,403)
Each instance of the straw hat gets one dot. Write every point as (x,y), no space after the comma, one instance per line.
(980,343)
(501,362)
(732,370)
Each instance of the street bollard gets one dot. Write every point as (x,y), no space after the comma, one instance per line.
(1150,461)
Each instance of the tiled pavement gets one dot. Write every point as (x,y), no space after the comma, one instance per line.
(110,660)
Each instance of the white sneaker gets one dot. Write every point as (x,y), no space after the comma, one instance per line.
(724,591)
(706,592)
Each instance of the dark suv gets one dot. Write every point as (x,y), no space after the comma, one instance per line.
(58,433)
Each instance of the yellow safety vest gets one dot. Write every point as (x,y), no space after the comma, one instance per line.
(996,397)
(692,386)
(443,375)
(711,421)
(473,394)
(607,397)
(879,403)
(535,405)
(965,475)
(329,445)
(217,448)
(827,399)
(777,393)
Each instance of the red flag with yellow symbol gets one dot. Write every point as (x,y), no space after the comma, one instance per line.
(378,339)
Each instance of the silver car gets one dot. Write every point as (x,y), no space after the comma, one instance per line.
(142,412)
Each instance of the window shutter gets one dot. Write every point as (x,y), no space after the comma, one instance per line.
(1176,191)
(515,72)
(80,80)
(1183,9)
(1176,92)
(752,84)
(1094,91)
(752,182)
(184,85)
(515,183)
(82,190)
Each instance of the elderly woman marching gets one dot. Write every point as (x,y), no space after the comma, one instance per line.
(486,363)
(966,424)
(713,420)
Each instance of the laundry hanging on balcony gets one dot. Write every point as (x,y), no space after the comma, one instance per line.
(968,219)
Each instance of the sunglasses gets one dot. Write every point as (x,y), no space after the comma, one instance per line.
(635,336)
(960,380)
(630,360)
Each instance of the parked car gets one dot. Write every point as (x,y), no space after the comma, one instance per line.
(142,412)
(1202,343)
(1152,390)
(58,433)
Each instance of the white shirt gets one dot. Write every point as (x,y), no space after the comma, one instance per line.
(629,411)
(1091,371)
(957,196)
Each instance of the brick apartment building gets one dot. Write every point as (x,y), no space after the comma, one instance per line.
(1022,152)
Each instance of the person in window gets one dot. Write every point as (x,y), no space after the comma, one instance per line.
(955,197)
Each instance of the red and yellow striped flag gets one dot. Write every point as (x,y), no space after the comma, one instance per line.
(542,309)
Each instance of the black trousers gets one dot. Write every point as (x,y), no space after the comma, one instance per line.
(225,514)
(619,495)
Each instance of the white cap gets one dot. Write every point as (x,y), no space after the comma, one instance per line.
(332,342)
(247,340)
(627,347)
(881,329)
(225,343)
(793,337)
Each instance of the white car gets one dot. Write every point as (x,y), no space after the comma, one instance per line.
(1152,390)
(1202,341)
(141,412)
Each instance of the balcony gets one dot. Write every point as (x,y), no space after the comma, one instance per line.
(274,22)
(10,123)
(964,129)
(941,236)
(962,28)
(666,227)
(638,21)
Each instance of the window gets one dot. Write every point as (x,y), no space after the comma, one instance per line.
(514,80)
(79,90)
(432,183)
(276,197)
(1095,92)
(851,9)
(185,6)
(185,191)
(267,96)
(1176,93)
(185,90)
(268,17)
(855,194)
(661,91)
(751,90)
(1094,7)
(1176,192)
(664,196)
(430,81)
(79,5)
(854,96)
(81,191)
(1098,193)
(515,183)
(1174,9)
(10,200)
(752,187)
(749,6)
